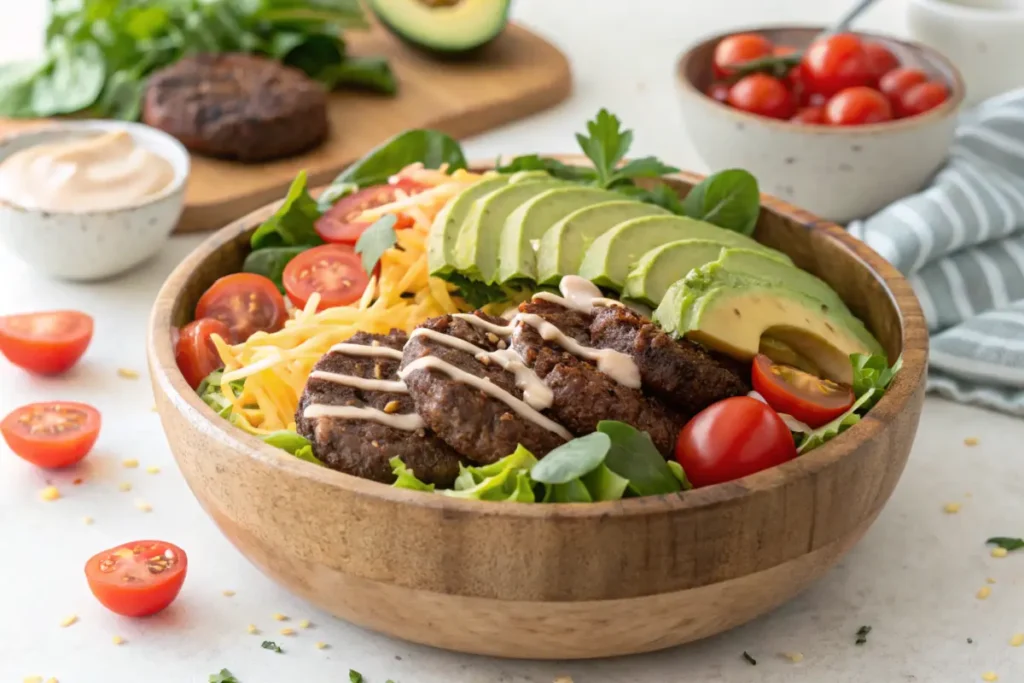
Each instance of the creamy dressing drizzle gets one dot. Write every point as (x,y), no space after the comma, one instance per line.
(615,364)
(408,422)
(366,351)
(476,321)
(390,386)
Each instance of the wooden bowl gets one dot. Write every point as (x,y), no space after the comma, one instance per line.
(552,581)
(838,172)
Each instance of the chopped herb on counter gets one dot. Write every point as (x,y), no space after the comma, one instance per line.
(224,676)
(271,645)
(354,676)
(1007,543)
(862,634)
(750,660)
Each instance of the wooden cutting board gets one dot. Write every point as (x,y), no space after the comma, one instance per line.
(514,76)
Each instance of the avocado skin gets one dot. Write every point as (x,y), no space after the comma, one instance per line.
(440,50)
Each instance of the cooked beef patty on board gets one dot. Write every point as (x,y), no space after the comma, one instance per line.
(364,447)
(237,106)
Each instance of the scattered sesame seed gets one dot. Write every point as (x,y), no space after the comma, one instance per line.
(794,657)
(49,494)
(130,463)
(990,580)
(126,373)
(322,645)
(971,441)
(143,506)
(999,552)
(951,508)
(228,593)
(984,592)
(67,621)
(1017,640)
(124,486)
(78,481)
(117,640)
(33,679)
(305,623)
(391,407)
(153,469)
(990,676)
(252,630)
(287,632)
(87,520)
(280,617)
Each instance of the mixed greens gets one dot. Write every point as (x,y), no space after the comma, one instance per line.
(99,52)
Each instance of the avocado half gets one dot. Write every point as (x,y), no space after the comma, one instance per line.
(445,27)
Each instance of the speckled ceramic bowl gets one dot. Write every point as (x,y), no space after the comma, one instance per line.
(91,245)
(839,173)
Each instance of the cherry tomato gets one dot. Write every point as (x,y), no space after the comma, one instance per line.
(814,115)
(737,49)
(898,81)
(719,92)
(732,439)
(762,94)
(52,434)
(339,226)
(881,60)
(45,343)
(834,63)
(922,97)
(195,352)
(809,399)
(246,303)
(137,579)
(333,270)
(857,106)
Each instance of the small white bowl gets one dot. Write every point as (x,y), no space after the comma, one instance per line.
(92,245)
(837,172)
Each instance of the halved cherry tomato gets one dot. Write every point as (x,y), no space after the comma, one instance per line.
(881,60)
(857,106)
(137,579)
(809,115)
(333,270)
(52,434)
(719,92)
(834,63)
(732,439)
(742,47)
(45,343)
(246,303)
(922,97)
(898,81)
(762,94)
(195,352)
(809,399)
(338,224)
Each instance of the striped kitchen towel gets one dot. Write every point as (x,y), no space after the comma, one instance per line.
(961,243)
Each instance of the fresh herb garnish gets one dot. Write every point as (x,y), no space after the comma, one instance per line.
(729,199)
(862,634)
(1007,543)
(354,676)
(271,645)
(367,73)
(293,224)
(750,660)
(572,459)
(375,240)
(223,676)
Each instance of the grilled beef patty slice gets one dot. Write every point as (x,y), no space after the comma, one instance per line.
(680,373)
(237,106)
(482,428)
(583,395)
(361,447)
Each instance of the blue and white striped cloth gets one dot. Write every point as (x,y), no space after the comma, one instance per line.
(961,243)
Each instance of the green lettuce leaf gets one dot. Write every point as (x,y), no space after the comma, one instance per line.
(209,391)
(837,426)
(872,372)
(406,477)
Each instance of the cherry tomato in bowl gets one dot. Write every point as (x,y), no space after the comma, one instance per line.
(47,343)
(857,106)
(810,399)
(809,115)
(137,579)
(898,81)
(731,439)
(195,352)
(333,270)
(881,60)
(52,434)
(246,303)
(338,224)
(737,49)
(835,63)
(921,98)
(764,95)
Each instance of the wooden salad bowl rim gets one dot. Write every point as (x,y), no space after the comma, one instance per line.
(905,387)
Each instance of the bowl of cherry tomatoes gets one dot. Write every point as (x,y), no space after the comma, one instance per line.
(841,124)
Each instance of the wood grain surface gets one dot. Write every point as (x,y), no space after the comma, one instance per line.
(554,581)
(515,76)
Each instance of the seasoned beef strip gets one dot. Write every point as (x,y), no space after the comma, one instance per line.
(680,373)
(237,106)
(480,427)
(362,447)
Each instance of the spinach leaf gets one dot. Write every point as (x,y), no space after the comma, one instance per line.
(293,224)
(603,484)
(729,199)
(406,478)
(333,193)
(477,294)
(73,82)
(286,440)
(1007,543)
(632,455)
(224,676)
(574,491)
(375,240)
(368,73)
(429,147)
(572,459)
(17,81)
(270,262)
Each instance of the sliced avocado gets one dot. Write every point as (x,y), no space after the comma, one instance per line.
(476,249)
(443,26)
(562,246)
(520,236)
(609,259)
(444,231)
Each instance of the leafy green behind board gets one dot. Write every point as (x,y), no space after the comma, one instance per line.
(294,222)
(367,73)
(429,147)
(270,262)
(729,199)
(375,240)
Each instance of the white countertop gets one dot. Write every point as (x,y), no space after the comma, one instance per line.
(913,578)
